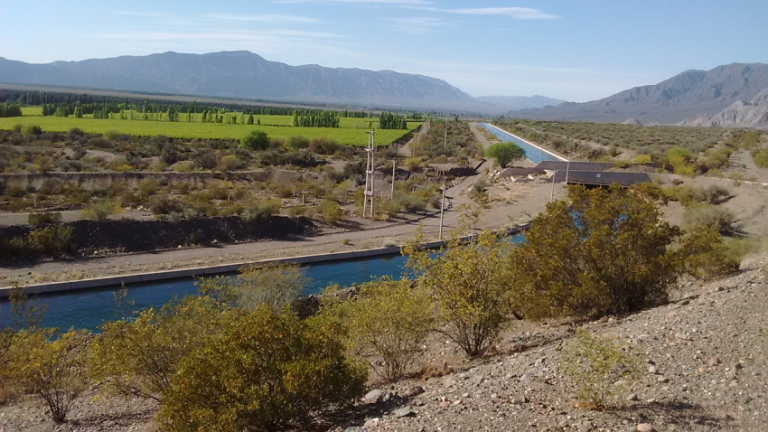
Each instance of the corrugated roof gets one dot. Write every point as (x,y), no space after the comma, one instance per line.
(602,178)
(574,166)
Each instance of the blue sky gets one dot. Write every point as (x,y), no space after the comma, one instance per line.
(568,49)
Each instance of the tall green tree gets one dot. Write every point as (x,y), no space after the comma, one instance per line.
(504,153)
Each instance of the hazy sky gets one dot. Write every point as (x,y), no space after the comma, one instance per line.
(568,49)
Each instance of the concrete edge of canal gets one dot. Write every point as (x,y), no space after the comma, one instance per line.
(166,275)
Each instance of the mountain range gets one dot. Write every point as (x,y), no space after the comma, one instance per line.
(690,94)
(244,75)
(724,96)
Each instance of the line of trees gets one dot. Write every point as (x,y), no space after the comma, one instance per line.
(325,119)
(392,121)
(10,110)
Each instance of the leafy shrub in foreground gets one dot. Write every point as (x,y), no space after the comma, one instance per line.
(265,371)
(99,211)
(473,294)
(388,321)
(705,255)
(261,211)
(606,255)
(595,365)
(704,214)
(51,369)
(139,357)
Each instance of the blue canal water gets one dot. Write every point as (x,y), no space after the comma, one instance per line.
(532,153)
(88,309)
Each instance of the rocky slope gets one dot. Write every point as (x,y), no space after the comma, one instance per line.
(705,369)
(673,100)
(753,114)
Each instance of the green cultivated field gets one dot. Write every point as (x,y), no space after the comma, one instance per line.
(352,130)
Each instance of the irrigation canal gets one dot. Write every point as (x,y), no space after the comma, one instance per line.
(88,309)
(533,152)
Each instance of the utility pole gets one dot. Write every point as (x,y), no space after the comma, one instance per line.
(442,212)
(552,194)
(392,194)
(369,191)
(445,139)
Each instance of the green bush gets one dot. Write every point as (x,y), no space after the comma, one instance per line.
(100,210)
(52,368)
(387,324)
(229,163)
(331,211)
(47,218)
(255,140)
(410,203)
(606,254)
(473,294)
(298,142)
(33,130)
(261,211)
(598,368)
(761,158)
(51,240)
(264,371)
(139,356)
(14,248)
(705,255)
(704,214)
(277,286)
(504,153)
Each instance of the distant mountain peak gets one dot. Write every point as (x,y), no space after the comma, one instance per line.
(687,94)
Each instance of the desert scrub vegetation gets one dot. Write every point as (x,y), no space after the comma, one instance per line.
(598,368)
(604,254)
(702,149)
(472,296)
(445,141)
(276,286)
(263,380)
(237,356)
(386,324)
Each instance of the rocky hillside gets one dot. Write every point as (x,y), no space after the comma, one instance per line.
(688,94)
(243,75)
(704,358)
(753,114)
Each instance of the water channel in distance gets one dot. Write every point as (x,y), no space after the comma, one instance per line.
(88,309)
(532,153)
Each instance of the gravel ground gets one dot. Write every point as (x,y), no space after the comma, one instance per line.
(705,359)
(705,356)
